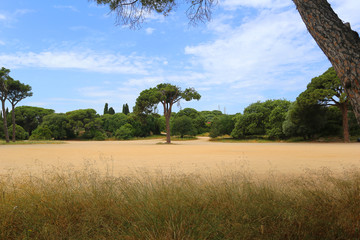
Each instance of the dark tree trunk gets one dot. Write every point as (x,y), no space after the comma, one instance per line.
(339,43)
(345,122)
(168,139)
(5,122)
(13,122)
(167,114)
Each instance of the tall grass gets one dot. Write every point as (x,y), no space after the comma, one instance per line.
(62,204)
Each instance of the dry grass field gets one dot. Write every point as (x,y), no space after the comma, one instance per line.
(186,190)
(197,156)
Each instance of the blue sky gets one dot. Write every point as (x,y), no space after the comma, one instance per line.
(74,55)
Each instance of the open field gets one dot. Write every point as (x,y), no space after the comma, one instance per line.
(83,190)
(200,156)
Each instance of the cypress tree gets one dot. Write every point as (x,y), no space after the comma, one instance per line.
(126,109)
(106,108)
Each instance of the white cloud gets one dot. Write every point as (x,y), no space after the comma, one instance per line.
(23,11)
(184,79)
(9,18)
(71,8)
(149,30)
(257,53)
(2,43)
(82,60)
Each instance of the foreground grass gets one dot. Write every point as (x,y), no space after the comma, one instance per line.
(87,205)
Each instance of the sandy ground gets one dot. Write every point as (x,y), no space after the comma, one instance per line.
(200,156)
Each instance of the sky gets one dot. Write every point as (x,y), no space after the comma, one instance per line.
(76,56)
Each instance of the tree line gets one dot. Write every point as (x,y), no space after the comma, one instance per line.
(321,110)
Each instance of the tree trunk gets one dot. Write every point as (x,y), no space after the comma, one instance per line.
(167,117)
(339,43)
(345,122)
(13,122)
(5,122)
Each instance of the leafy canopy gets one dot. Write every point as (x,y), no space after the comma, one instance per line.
(164,93)
(325,89)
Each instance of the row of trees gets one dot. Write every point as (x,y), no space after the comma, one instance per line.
(275,119)
(13,91)
(40,124)
(321,110)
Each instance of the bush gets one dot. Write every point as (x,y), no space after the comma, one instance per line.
(183,126)
(125,132)
(99,136)
(20,133)
(41,133)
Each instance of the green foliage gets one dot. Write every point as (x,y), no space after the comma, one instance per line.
(166,94)
(111,111)
(106,108)
(276,118)
(325,89)
(222,125)
(94,134)
(17,91)
(304,120)
(30,117)
(183,125)
(354,127)
(85,123)
(125,132)
(4,91)
(261,118)
(110,123)
(20,133)
(59,125)
(125,109)
(333,122)
(41,133)
(210,115)
(197,118)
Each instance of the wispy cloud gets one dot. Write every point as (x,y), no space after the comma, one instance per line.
(68,7)
(82,60)
(258,52)
(149,30)
(8,18)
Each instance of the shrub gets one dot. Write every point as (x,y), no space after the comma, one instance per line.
(125,132)
(182,126)
(20,133)
(41,133)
